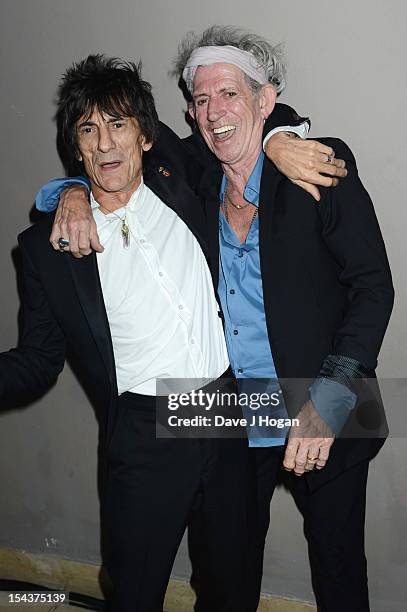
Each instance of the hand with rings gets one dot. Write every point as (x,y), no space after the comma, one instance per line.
(309,443)
(74,228)
(307,163)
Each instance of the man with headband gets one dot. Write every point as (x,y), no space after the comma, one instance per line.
(306,293)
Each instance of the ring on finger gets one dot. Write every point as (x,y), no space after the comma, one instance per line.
(62,243)
(330,158)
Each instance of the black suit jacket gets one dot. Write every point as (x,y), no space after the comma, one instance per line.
(327,290)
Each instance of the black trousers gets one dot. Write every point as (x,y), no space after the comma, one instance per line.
(334,520)
(155,489)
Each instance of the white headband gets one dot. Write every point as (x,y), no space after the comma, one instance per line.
(205,56)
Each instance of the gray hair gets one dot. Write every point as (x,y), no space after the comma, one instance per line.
(267,56)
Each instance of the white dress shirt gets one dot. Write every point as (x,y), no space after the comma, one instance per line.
(159,297)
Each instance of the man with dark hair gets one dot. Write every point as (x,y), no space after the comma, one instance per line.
(84,89)
(129,316)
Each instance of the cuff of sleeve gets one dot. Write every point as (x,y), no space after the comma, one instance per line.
(344,370)
(333,402)
(301,130)
(47,198)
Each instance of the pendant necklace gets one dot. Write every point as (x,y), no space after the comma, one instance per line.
(124,230)
(226,213)
(230,201)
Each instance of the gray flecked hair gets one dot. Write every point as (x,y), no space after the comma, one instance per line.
(267,56)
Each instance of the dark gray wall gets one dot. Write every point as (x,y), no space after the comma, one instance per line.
(346,72)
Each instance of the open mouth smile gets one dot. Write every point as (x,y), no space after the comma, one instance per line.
(223,128)
(223,132)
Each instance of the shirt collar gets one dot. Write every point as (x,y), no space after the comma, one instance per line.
(130,204)
(252,189)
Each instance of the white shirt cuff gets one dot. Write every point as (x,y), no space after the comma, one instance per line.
(301,131)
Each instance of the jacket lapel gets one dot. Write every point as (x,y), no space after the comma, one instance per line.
(86,279)
(178,196)
(209,190)
(212,215)
(270,182)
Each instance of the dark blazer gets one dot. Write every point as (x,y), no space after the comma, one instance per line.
(327,290)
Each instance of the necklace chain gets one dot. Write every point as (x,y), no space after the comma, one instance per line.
(225,210)
(230,201)
(124,230)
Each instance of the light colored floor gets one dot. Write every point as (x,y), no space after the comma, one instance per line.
(79,577)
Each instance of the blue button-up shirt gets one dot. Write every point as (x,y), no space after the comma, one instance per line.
(241,295)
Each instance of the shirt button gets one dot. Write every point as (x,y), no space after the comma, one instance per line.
(240,254)
(180,307)
(192,341)
(240,371)
(235,332)
(142,240)
(161,273)
(232,291)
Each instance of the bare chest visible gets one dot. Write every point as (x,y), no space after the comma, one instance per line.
(240,220)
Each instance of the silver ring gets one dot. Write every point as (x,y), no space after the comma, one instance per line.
(62,243)
(330,158)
